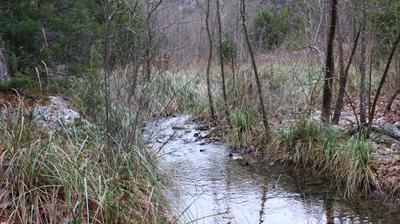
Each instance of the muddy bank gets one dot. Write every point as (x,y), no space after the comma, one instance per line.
(210,184)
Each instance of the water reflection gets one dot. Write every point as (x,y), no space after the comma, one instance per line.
(210,187)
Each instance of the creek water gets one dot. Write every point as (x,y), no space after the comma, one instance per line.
(209,185)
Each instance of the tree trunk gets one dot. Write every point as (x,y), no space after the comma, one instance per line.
(210,99)
(221,61)
(107,74)
(383,79)
(389,105)
(344,72)
(329,67)
(363,98)
(4,74)
(253,63)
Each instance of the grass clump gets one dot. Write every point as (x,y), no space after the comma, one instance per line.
(329,152)
(243,120)
(73,177)
(178,92)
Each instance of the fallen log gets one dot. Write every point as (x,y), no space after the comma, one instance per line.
(390,130)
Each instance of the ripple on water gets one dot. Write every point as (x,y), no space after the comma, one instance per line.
(213,188)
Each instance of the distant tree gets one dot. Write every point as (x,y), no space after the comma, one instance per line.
(228,50)
(20,30)
(271,29)
(385,22)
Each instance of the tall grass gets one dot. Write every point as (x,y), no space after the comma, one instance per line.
(243,121)
(326,150)
(178,92)
(73,177)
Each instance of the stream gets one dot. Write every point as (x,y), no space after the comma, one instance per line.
(209,185)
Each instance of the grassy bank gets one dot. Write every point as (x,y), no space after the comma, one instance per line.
(326,150)
(73,175)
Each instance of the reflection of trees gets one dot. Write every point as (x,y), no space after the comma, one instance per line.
(328,206)
(263,202)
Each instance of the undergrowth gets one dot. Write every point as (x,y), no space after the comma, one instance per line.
(73,176)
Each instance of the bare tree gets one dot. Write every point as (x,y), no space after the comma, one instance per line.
(363,98)
(210,52)
(344,72)
(253,63)
(329,67)
(151,8)
(383,79)
(109,14)
(221,61)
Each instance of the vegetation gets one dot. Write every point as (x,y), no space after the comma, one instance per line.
(328,151)
(122,62)
(73,176)
(272,28)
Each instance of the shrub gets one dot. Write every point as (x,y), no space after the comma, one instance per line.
(18,82)
(271,28)
(228,49)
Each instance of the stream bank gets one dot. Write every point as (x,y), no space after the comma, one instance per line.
(209,184)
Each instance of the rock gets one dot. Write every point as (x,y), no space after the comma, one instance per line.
(178,127)
(236,156)
(56,114)
(202,128)
(202,150)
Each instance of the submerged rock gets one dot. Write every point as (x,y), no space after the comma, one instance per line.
(178,127)
(237,157)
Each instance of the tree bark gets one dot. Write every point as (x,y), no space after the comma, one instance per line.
(383,79)
(221,62)
(363,98)
(329,67)
(344,72)
(210,99)
(253,63)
